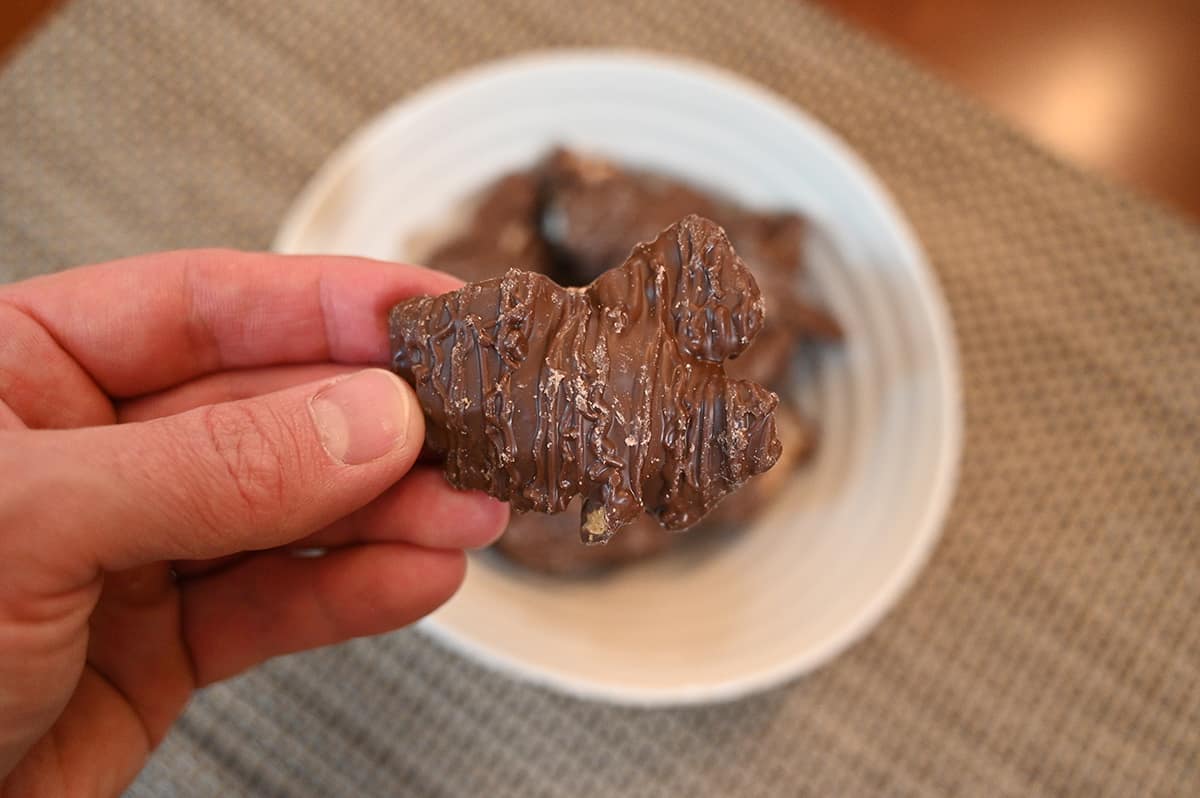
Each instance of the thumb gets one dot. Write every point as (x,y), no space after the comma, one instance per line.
(249,474)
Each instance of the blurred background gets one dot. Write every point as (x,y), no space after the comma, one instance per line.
(1111,85)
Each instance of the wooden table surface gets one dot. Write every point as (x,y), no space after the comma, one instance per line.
(1111,85)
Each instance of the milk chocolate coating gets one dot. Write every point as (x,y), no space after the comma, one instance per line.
(615,392)
(593,211)
(545,543)
(799,439)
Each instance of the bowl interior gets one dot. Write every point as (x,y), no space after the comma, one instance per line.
(822,564)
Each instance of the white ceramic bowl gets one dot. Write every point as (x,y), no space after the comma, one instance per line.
(822,565)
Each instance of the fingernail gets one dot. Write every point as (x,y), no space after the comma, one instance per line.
(363,417)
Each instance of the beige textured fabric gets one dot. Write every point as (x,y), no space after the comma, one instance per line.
(1051,647)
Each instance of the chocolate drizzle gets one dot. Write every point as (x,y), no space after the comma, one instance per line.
(616,392)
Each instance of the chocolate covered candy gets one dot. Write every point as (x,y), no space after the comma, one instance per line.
(504,232)
(614,392)
(593,211)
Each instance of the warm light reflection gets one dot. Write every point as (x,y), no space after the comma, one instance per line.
(1086,99)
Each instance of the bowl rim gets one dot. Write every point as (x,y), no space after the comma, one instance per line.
(928,297)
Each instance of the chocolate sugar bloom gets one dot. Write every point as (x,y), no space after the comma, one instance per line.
(615,392)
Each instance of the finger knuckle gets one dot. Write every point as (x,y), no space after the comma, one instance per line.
(252,453)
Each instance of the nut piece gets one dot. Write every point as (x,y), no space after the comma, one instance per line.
(536,393)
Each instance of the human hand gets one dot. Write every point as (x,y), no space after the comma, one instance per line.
(170,426)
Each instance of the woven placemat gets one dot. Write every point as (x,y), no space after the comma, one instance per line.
(1051,647)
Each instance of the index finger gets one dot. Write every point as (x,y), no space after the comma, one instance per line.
(147,323)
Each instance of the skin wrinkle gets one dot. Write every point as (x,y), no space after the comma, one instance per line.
(247,446)
(190,570)
(287,447)
(40,487)
(185,643)
(201,336)
(100,408)
(320,600)
(123,698)
(266,451)
(9,420)
(230,452)
(324,300)
(96,382)
(62,606)
(255,450)
(185,490)
(53,747)
(191,628)
(57,638)
(226,386)
(148,505)
(58,745)
(156,686)
(10,379)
